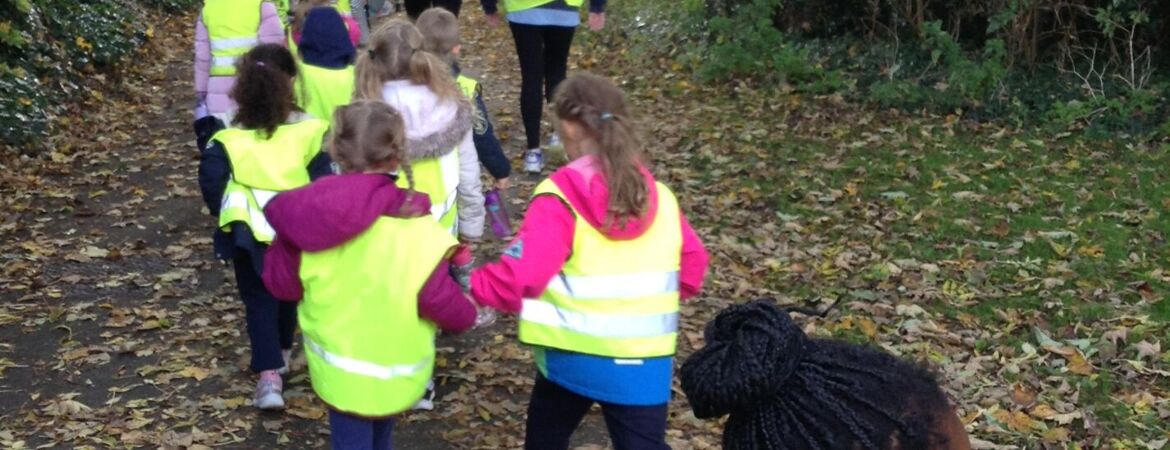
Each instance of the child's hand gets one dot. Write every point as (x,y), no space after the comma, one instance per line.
(596,21)
(493,20)
(503,184)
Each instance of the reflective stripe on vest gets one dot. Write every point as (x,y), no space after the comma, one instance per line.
(599,325)
(369,352)
(439,179)
(232,27)
(252,201)
(366,368)
(262,168)
(511,6)
(612,298)
(608,287)
(228,44)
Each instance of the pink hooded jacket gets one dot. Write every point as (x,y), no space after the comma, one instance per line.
(216,89)
(334,210)
(545,240)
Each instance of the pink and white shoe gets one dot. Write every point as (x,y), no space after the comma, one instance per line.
(269,390)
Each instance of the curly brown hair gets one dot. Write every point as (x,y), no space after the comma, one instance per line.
(264,89)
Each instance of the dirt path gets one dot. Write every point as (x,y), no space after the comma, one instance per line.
(117,329)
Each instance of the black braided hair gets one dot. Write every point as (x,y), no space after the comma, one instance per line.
(785,391)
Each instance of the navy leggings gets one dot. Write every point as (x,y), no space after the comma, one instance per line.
(554,413)
(271,322)
(543,51)
(348,432)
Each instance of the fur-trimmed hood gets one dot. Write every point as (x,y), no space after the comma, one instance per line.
(434,126)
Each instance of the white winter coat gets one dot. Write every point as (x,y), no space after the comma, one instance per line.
(434,128)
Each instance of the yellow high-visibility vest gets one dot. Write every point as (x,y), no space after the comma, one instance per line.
(439,179)
(511,6)
(368,351)
(233,27)
(262,168)
(321,91)
(613,298)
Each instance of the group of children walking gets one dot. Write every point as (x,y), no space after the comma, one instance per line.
(346,182)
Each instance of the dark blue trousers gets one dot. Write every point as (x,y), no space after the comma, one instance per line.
(355,433)
(554,413)
(271,322)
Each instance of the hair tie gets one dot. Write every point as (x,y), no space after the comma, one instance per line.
(370,52)
(606,116)
(260,63)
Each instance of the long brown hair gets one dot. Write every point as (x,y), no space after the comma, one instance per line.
(396,53)
(264,89)
(369,135)
(598,106)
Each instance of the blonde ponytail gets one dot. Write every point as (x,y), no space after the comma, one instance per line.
(396,53)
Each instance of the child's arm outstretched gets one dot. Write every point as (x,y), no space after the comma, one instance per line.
(282,265)
(470,192)
(443,302)
(487,146)
(537,254)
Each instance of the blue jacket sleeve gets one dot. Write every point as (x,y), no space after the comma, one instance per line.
(215,169)
(487,146)
(321,165)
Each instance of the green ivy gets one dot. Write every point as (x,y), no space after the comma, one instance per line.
(48,46)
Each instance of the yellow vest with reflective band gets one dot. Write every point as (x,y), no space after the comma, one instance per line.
(321,90)
(263,168)
(613,298)
(233,27)
(368,351)
(511,6)
(468,85)
(344,7)
(282,11)
(439,179)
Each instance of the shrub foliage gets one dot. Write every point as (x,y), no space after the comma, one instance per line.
(47,47)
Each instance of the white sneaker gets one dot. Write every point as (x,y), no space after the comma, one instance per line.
(485,317)
(268,391)
(554,141)
(427,402)
(534,161)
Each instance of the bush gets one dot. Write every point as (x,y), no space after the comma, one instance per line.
(1092,64)
(48,46)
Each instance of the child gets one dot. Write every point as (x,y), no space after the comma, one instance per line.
(438,124)
(543,33)
(596,273)
(784,390)
(440,30)
(270,147)
(224,31)
(371,267)
(327,55)
(301,13)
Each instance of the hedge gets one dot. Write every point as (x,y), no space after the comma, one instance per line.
(47,47)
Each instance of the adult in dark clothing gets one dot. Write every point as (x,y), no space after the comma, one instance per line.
(416,7)
(543,32)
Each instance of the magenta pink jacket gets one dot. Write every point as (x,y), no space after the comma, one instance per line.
(335,209)
(545,240)
(216,89)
